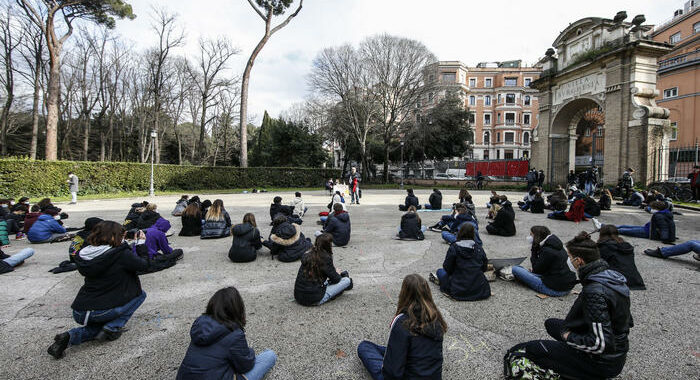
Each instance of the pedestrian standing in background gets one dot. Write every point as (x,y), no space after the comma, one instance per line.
(73,187)
(354,186)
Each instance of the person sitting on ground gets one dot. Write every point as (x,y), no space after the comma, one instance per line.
(157,241)
(21,207)
(537,204)
(338,225)
(286,241)
(48,208)
(134,214)
(277,208)
(636,199)
(471,209)
(619,255)
(411,200)
(204,206)
(494,205)
(4,234)
(591,343)
(550,273)
(461,217)
(576,211)
(414,349)
(191,221)
(411,227)
(504,222)
(30,218)
(195,199)
(13,222)
(591,207)
(46,229)
(435,201)
(299,206)
(676,250)
(217,222)
(661,226)
(463,193)
(219,348)
(605,201)
(337,198)
(529,197)
(462,273)
(246,240)
(557,201)
(111,287)
(148,217)
(180,206)
(9,262)
(80,238)
(317,280)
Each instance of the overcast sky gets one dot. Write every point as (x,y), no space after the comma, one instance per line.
(467,31)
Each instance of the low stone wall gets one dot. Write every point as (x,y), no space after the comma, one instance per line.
(460,183)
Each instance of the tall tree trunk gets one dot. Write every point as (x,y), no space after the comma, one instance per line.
(203,120)
(86,137)
(54,94)
(35,107)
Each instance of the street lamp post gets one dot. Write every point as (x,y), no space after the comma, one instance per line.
(154,134)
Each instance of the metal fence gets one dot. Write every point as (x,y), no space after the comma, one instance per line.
(674,164)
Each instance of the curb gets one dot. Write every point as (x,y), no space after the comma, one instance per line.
(684,207)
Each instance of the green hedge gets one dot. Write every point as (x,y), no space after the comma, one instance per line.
(48,179)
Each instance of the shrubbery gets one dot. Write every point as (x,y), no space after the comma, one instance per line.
(42,178)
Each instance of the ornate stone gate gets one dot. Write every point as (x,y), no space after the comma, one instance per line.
(609,67)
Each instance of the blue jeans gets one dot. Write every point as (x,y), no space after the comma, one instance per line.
(372,357)
(534,281)
(525,206)
(19,257)
(355,197)
(442,276)
(634,231)
(263,364)
(323,219)
(681,249)
(589,188)
(333,290)
(95,320)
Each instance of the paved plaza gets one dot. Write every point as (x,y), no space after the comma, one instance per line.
(320,342)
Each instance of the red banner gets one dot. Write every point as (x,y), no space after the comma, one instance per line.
(500,168)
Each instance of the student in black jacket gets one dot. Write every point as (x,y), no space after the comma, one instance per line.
(605,201)
(660,227)
(550,273)
(318,281)
(462,273)
(537,204)
(411,226)
(277,208)
(411,200)
(619,255)
(148,217)
(504,222)
(111,292)
(414,350)
(246,240)
(435,201)
(286,241)
(191,221)
(219,348)
(592,341)
(591,208)
(338,225)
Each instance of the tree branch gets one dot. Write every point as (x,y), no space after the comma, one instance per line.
(257,10)
(285,22)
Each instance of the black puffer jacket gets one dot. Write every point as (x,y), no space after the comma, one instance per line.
(504,222)
(288,243)
(620,257)
(549,261)
(309,291)
(411,227)
(411,200)
(280,209)
(435,200)
(246,242)
(465,264)
(413,354)
(132,216)
(339,226)
(537,205)
(599,320)
(214,229)
(662,227)
(592,207)
(605,202)
(147,219)
(191,225)
(110,277)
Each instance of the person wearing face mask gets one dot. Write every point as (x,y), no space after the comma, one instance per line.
(592,341)
(550,274)
(661,226)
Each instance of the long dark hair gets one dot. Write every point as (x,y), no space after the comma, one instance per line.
(192,211)
(312,265)
(416,301)
(106,233)
(539,233)
(584,247)
(46,202)
(466,232)
(609,232)
(463,194)
(226,307)
(250,219)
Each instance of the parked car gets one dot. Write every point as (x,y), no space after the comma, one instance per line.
(679,180)
(444,176)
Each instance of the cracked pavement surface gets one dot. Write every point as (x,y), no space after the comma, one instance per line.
(664,343)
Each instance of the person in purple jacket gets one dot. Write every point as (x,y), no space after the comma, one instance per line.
(157,242)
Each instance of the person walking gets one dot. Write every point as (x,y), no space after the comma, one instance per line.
(72,182)
(694,178)
(540,178)
(354,186)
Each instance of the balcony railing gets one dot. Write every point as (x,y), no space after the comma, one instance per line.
(679,61)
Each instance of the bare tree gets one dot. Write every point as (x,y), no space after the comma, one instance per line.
(209,80)
(10,37)
(396,66)
(343,76)
(32,51)
(266,9)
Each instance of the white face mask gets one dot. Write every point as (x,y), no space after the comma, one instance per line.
(530,239)
(571,265)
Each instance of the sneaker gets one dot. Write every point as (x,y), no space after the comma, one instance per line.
(351,285)
(434,229)
(597,224)
(654,253)
(107,335)
(696,256)
(61,342)
(433,279)
(20,236)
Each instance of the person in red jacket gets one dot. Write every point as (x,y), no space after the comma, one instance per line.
(694,178)
(31,217)
(576,210)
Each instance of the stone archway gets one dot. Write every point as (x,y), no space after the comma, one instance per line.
(608,67)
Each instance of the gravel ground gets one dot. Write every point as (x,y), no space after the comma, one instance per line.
(320,342)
